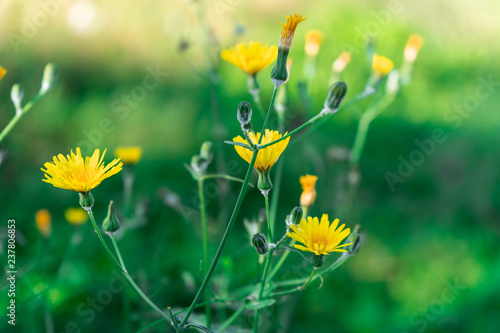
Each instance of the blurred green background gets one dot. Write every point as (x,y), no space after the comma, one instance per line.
(429,262)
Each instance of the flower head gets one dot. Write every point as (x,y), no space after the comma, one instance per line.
(43,222)
(129,155)
(381,65)
(308,195)
(289,27)
(341,62)
(313,41)
(279,74)
(2,72)
(319,237)
(412,47)
(75,173)
(267,156)
(251,58)
(76,216)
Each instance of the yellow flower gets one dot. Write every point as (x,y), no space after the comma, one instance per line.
(78,174)
(43,222)
(412,47)
(319,237)
(2,72)
(76,216)
(308,195)
(313,41)
(129,155)
(341,62)
(251,58)
(289,27)
(267,156)
(381,65)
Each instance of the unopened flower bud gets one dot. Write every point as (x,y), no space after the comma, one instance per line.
(49,78)
(296,215)
(259,241)
(207,151)
(244,114)
(16,95)
(86,200)
(110,225)
(335,96)
(264,183)
(199,164)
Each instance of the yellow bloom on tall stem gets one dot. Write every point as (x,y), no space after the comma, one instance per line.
(2,72)
(266,157)
(75,173)
(76,215)
(412,47)
(313,41)
(251,58)
(279,75)
(308,195)
(43,222)
(381,65)
(320,238)
(129,155)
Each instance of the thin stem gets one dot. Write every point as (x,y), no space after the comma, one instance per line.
(229,321)
(269,227)
(204,228)
(231,220)
(115,245)
(225,177)
(123,269)
(17,117)
(285,255)
(307,282)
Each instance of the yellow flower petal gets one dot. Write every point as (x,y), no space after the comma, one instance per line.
(318,236)
(76,174)
(251,58)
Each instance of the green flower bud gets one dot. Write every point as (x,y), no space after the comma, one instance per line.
(335,96)
(244,114)
(259,241)
(199,164)
(296,215)
(49,78)
(279,75)
(86,200)
(207,151)
(16,95)
(110,225)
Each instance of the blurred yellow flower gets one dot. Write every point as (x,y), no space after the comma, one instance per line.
(319,237)
(289,27)
(43,222)
(313,41)
(129,155)
(2,72)
(76,216)
(268,156)
(251,58)
(308,195)
(381,65)
(412,47)
(341,62)
(78,174)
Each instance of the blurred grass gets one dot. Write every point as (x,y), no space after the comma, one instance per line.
(441,224)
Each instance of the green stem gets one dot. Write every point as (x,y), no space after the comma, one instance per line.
(17,117)
(115,245)
(204,228)
(269,226)
(231,220)
(229,321)
(285,255)
(225,177)
(307,282)
(123,269)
